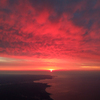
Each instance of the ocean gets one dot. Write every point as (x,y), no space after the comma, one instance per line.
(74,85)
(69,85)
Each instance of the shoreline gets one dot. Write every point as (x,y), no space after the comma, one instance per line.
(23,87)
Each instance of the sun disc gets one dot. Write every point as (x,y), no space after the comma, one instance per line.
(51,70)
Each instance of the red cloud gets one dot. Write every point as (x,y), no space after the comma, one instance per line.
(50,29)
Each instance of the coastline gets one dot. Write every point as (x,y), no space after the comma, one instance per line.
(23,87)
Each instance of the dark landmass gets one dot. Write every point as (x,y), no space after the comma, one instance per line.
(22,87)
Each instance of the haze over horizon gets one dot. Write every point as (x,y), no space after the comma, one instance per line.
(49,34)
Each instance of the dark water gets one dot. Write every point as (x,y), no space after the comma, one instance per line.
(70,85)
(74,85)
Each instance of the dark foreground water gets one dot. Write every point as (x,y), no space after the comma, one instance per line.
(74,85)
(70,85)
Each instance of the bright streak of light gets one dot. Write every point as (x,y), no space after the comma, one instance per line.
(51,70)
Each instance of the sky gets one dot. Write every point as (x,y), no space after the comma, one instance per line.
(49,34)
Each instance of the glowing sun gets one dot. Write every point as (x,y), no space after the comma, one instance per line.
(51,70)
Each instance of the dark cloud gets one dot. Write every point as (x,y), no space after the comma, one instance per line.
(5,10)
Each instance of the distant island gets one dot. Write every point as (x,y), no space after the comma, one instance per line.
(23,87)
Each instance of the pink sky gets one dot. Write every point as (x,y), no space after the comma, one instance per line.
(49,34)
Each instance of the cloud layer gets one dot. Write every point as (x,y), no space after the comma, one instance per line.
(68,29)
